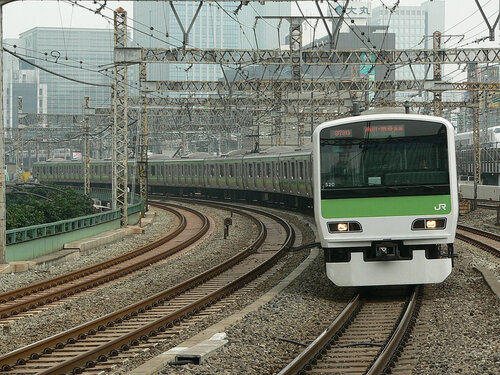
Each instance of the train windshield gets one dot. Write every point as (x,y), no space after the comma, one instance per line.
(384,158)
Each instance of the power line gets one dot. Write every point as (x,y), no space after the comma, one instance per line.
(54,73)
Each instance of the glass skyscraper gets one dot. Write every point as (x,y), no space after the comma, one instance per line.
(74,53)
(413,27)
(223,26)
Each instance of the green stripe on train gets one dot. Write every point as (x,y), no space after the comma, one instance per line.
(386,206)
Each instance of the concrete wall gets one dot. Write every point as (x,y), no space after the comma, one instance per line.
(488,192)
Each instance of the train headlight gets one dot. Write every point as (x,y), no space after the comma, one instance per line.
(344,226)
(429,224)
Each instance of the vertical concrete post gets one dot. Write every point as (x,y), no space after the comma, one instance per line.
(86,146)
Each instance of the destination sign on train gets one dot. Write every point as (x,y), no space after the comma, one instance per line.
(383,131)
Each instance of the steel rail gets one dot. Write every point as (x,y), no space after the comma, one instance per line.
(41,300)
(484,246)
(310,353)
(45,284)
(101,353)
(322,344)
(385,358)
(35,350)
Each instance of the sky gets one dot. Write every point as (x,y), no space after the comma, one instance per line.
(20,16)
(462,17)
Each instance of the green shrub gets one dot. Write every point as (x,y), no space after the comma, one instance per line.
(45,204)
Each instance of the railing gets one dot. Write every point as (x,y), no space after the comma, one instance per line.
(15,236)
(43,230)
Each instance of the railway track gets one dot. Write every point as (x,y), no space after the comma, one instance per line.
(191,226)
(487,241)
(98,345)
(364,338)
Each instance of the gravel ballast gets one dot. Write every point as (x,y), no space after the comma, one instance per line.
(457,331)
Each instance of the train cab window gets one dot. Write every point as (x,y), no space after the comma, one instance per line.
(292,170)
(384,157)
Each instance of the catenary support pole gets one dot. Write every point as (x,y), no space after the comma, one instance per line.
(120,126)
(86,146)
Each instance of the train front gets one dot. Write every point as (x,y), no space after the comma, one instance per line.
(385,199)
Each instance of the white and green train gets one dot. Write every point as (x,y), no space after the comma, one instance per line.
(386,198)
(382,213)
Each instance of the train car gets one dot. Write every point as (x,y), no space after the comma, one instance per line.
(385,198)
(491,139)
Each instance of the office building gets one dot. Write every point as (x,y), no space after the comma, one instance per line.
(76,54)
(219,26)
(20,79)
(413,27)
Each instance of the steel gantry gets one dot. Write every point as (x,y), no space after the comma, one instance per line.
(135,55)
(324,85)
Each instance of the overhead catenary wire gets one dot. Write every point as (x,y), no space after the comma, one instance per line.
(54,73)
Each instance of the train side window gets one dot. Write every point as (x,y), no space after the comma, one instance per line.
(221,170)
(268,170)
(292,170)
(285,170)
(153,171)
(212,170)
(301,170)
(250,170)
(231,170)
(259,170)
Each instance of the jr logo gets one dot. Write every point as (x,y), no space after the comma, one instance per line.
(441,206)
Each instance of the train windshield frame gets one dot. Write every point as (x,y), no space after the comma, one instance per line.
(384,158)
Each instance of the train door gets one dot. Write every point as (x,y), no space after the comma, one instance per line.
(244,174)
(238,174)
(293,176)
